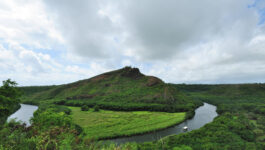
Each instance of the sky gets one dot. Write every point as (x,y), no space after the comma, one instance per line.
(47,42)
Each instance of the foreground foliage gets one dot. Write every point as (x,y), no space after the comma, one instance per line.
(9,99)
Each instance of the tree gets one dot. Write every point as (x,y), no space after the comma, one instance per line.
(9,99)
(9,90)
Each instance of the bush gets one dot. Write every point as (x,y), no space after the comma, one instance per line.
(58,108)
(45,119)
(84,108)
(96,108)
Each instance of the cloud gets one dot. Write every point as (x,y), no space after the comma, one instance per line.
(28,46)
(26,23)
(35,68)
(86,28)
(54,42)
(159,30)
(217,62)
(100,29)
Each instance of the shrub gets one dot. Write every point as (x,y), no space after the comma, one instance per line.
(44,120)
(96,108)
(84,108)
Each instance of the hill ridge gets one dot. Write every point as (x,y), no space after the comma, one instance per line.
(123,89)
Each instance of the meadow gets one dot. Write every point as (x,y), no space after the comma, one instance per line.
(109,124)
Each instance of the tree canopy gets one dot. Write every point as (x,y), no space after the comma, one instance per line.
(9,99)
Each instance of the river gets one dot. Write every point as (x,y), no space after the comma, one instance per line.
(24,113)
(203,115)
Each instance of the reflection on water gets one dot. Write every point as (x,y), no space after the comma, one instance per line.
(24,113)
(203,115)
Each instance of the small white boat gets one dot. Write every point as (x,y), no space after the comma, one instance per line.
(185,128)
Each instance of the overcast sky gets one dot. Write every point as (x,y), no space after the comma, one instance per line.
(44,42)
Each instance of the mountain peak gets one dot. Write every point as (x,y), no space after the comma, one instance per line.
(131,72)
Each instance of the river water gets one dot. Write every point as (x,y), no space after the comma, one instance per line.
(24,113)
(203,115)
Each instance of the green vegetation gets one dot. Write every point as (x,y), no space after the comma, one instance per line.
(53,125)
(9,99)
(51,129)
(239,126)
(225,132)
(84,108)
(114,123)
(96,108)
(126,89)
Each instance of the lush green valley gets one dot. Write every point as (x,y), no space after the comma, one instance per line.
(55,124)
(59,125)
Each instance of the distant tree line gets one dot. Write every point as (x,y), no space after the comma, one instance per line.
(132,106)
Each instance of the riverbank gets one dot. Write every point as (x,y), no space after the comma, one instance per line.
(5,113)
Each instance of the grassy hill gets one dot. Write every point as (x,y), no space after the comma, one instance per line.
(123,89)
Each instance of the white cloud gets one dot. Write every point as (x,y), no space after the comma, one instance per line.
(26,22)
(87,28)
(54,42)
(32,68)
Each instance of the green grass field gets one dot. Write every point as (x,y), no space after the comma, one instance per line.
(110,124)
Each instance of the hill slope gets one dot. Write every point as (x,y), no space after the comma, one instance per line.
(123,89)
(228,97)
